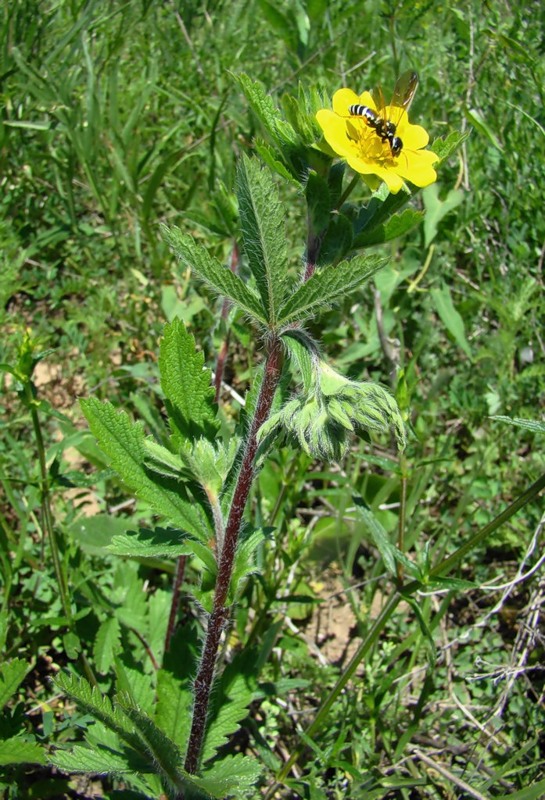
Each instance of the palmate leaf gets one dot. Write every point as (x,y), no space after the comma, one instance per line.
(262,223)
(328,286)
(123,441)
(218,277)
(187,385)
(11,677)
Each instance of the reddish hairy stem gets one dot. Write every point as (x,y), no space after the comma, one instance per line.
(220,614)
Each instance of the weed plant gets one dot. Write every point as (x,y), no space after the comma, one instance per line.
(295,548)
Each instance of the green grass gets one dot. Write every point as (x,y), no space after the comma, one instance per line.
(118,117)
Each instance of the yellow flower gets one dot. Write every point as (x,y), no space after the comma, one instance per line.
(352,138)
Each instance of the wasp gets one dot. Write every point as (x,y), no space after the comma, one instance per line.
(385,123)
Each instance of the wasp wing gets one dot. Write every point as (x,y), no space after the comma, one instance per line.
(404,92)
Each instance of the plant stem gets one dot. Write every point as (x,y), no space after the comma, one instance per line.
(220,615)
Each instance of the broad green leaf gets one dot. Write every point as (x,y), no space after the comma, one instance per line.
(231,708)
(136,683)
(397,225)
(328,286)
(436,209)
(107,643)
(123,441)
(244,563)
(161,543)
(262,222)
(18,751)
(12,675)
(450,317)
(218,277)
(99,761)
(318,202)
(233,776)
(187,385)
(173,710)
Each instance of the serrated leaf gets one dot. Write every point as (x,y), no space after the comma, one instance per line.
(187,385)
(218,277)
(225,720)
(107,644)
(11,676)
(98,762)
(230,777)
(328,286)
(123,441)
(445,147)
(164,753)
(262,223)
(264,108)
(173,709)
(271,158)
(161,543)
(16,751)
(397,225)
(451,317)
(389,553)
(532,425)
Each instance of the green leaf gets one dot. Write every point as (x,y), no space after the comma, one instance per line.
(187,385)
(99,706)
(173,710)
(444,148)
(231,777)
(436,209)
(107,643)
(17,751)
(337,240)
(535,792)
(318,202)
(328,286)
(304,352)
(262,223)
(218,277)
(396,226)
(164,753)
(161,543)
(282,134)
(481,126)
(271,157)
(97,761)
(451,317)
(12,675)
(244,563)
(531,425)
(123,441)
(389,553)
(228,710)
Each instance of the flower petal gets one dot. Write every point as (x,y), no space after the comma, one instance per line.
(414,137)
(335,132)
(342,100)
(416,166)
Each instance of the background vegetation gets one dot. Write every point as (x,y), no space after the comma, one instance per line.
(117,116)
